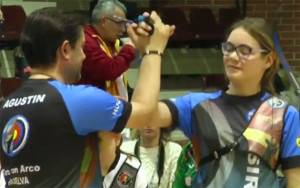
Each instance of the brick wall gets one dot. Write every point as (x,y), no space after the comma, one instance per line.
(285,14)
(287,17)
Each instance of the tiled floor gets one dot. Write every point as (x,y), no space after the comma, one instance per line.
(180,68)
(176,62)
(191,61)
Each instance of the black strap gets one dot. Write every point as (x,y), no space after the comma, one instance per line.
(219,153)
(244,13)
(161,157)
(243,10)
(156,52)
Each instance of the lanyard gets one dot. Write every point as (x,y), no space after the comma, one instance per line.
(160,159)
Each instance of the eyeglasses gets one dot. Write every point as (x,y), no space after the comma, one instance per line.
(115,21)
(118,20)
(243,51)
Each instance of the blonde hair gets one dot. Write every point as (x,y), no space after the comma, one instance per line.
(164,134)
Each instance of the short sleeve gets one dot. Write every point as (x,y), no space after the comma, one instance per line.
(290,147)
(92,109)
(185,105)
(184,109)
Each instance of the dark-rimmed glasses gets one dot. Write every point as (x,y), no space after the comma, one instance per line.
(243,51)
(117,21)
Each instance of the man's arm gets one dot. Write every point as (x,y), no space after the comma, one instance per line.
(100,67)
(290,151)
(162,116)
(145,95)
(292,177)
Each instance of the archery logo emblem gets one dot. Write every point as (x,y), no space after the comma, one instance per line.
(15,135)
(125,179)
(276,103)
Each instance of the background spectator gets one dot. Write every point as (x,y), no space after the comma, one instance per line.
(158,155)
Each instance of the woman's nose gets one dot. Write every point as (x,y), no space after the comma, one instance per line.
(234,55)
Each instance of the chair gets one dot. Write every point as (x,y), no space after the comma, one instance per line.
(132,9)
(205,25)
(183,32)
(14,20)
(9,85)
(215,81)
(227,16)
(141,10)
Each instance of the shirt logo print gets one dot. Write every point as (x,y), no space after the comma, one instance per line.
(15,135)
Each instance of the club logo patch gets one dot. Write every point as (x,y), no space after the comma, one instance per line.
(125,179)
(276,103)
(298,142)
(15,135)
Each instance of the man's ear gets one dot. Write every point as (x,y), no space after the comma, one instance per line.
(103,21)
(65,50)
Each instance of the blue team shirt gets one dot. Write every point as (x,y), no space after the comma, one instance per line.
(91,109)
(43,132)
(237,111)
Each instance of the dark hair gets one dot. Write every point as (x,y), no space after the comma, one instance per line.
(261,31)
(44,31)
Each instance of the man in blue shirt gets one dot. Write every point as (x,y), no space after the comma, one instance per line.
(43,125)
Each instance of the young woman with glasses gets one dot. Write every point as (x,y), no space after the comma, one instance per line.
(244,133)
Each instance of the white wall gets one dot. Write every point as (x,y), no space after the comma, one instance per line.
(29,6)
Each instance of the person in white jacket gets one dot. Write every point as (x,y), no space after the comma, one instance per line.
(158,155)
(2,180)
(119,168)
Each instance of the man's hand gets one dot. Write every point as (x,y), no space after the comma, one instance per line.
(139,34)
(127,40)
(161,34)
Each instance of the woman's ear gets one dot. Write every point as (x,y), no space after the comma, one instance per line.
(270,59)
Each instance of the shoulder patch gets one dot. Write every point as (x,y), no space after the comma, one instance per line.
(276,103)
(125,179)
